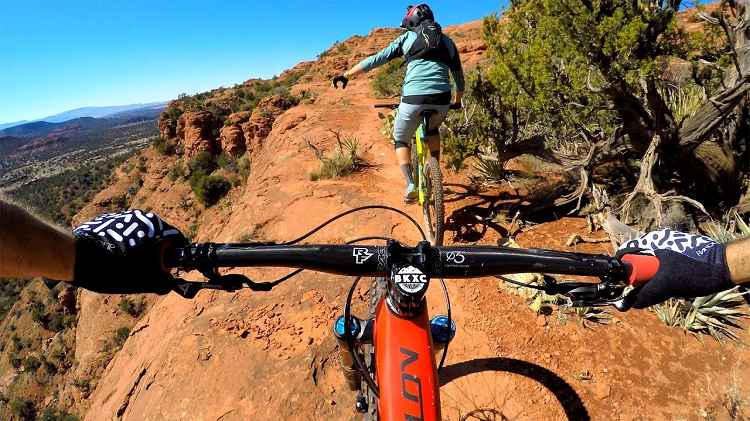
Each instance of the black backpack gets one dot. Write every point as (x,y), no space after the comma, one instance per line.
(429,44)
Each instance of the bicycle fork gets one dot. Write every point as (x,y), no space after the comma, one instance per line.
(362,331)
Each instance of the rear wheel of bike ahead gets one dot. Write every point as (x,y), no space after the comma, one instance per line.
(433,208)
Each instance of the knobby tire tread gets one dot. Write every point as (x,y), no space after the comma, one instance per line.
(434,209)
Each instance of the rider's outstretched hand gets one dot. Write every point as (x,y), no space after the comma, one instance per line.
(689,266)
(121,253)
(340,78)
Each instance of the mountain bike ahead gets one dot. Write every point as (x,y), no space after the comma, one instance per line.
(426,173)
(390,359)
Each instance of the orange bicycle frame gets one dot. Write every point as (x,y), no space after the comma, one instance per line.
(406,371)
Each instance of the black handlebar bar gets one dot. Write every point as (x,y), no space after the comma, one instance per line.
(444,261)
(439,261)
(453,106)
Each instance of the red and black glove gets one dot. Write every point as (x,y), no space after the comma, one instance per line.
(121,253)
(689,266)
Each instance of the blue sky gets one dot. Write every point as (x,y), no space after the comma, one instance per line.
(60,55)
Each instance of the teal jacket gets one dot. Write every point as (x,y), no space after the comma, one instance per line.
(423,77)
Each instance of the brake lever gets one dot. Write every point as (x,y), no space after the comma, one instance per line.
(601,294)
(622,304)
(229,283)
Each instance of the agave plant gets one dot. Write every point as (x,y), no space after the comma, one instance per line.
(670,312)
(584,315)
(731,229)
(490,170)
(716,314)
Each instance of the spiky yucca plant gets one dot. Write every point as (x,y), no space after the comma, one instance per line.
(586,316)
(716,314)
(670,311)
(491,171)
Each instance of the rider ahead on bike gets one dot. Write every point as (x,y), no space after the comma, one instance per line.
(430,55)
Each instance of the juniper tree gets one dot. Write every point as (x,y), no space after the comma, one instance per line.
(635,86)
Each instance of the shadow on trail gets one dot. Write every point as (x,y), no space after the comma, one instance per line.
(563,392)
(471,222)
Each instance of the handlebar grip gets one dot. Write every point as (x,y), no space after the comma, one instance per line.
(169,257)
(391,106)
(640,268)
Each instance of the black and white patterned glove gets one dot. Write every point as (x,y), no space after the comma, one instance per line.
(121,253)
(689,266)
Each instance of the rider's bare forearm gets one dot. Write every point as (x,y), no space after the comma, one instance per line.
(354,71)
(31,247)
(459,95)
(738,260)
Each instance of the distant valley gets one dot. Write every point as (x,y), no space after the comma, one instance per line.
(36,152)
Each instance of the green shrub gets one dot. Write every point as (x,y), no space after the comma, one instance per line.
(204,161)
(388,79)
(342,161)
(196,178)
(60,322)
(174,113)
(48,365)
(226,161)
(243,166)
(13,359)
(38,311)
(120,336)
(24,409)
(164,147)
(210,189)
(58,354)
(31,364)
(120,202)
(134,308)
(176,171)
(84,385)
(51,413)
(142,163)
(10,292)
(192,231)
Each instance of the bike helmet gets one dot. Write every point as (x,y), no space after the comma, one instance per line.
(415,15)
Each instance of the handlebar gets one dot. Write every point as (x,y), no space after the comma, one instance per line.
(453,106)
(389,106)
(439,261)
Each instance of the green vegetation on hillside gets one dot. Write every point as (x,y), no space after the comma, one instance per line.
(388,79)
(71,149)
(10,292)
(209,189)
(60,197)
(222,102)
